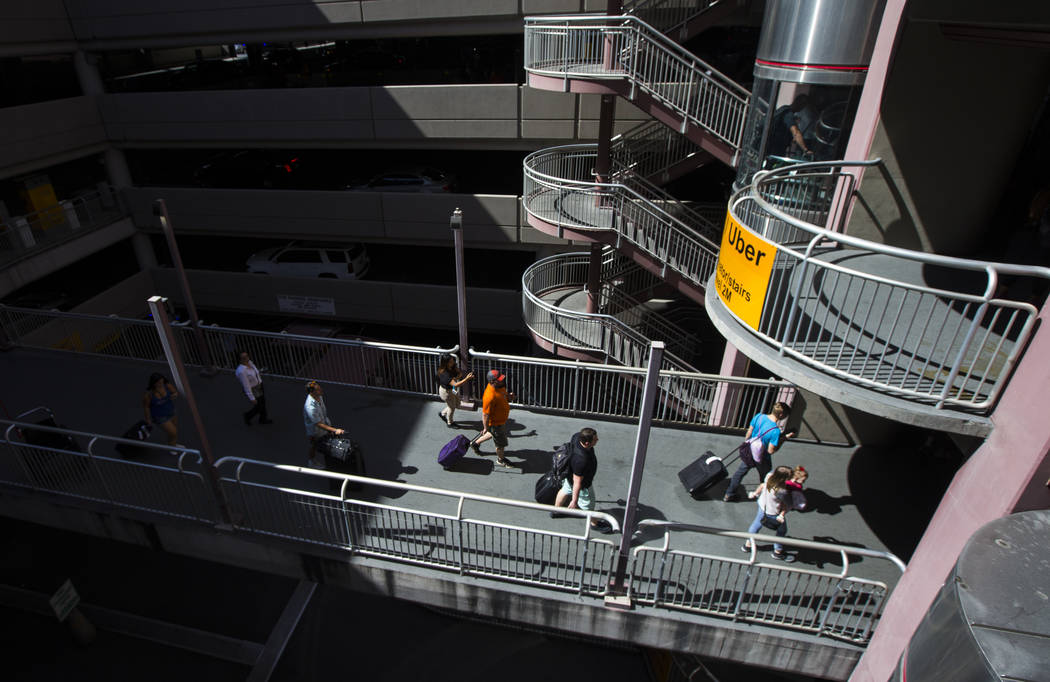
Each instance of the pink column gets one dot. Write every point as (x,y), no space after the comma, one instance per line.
(727,398)
(1007,474)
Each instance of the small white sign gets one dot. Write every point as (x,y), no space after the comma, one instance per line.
(64,600)
(306,304)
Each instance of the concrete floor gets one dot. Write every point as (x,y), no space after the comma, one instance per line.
(401,436)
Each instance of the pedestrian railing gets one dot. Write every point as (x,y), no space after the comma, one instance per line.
(687,398)
(561,190)
(474,535)
(626,48)
(447,530)
(932,329)
(622,333)
(86,466)
(651,150)
(24,235)
(834,604)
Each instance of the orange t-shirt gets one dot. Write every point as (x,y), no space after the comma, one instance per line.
(495,405)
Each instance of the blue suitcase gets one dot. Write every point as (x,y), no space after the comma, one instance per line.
(453,451)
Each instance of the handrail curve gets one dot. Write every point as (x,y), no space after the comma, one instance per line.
(911,325)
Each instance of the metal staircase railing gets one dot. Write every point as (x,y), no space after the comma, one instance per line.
(672,17)
(652,151)
(561,190)
(626,48)
(622,329)
(588,332)
(868,313)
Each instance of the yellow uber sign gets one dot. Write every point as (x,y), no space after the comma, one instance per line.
(745,262)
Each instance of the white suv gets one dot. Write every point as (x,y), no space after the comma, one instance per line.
(312,259)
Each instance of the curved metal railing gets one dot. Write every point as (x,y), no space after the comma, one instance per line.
(833,604)
(606,333)
(602,48)
(924,327)
(561,189)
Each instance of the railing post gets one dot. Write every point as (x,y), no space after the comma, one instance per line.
(618,588)
(158,306)
(456,223)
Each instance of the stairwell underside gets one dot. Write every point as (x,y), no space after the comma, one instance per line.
(839,390)
(604,83)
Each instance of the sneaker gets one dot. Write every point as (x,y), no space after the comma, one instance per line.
(453,425)
(729,497)
(745,548)
(602,527)
(504,463)
(783,556)
(441,416)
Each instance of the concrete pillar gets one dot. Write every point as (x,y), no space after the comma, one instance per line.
(594,278)
(144,254)
(86,66)
(726,404)
(117,169)
(1007,474)
(70,213)
(24,232)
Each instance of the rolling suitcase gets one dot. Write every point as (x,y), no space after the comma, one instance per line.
(342,454)
(453,451)
(703,473)
(140,432)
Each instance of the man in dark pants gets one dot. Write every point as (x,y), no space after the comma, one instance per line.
(577,491)
(251,381)
(766,431)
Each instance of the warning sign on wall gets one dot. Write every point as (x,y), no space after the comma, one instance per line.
(745,262)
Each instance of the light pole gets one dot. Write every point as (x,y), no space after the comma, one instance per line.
(160,210)
(456,222)
(158,308)
(618,589)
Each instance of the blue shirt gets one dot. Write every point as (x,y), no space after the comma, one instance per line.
(762,425)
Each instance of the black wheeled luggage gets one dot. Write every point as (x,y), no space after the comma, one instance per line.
(343,455)
(140,432)
(703,473)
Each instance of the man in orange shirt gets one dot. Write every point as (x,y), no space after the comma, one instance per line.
(495,408)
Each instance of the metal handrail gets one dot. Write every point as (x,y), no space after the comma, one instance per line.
(587,331)
(24,235)
(949,348)
(595,47)
(651,149)
(178,489)
(675,14)
(471,546)
(831,604)
(567,195)
(544,384)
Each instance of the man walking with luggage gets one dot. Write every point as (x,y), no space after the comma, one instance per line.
(577,491)
(495,409)
(315,414)
(251,381)
(766,432)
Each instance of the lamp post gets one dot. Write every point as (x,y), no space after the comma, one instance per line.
(456,222)
(160,210)
(158,308)
(618,588)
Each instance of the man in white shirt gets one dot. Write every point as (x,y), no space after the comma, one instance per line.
(315,417)
(251,382)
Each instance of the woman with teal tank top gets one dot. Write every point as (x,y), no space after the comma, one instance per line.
(158,404)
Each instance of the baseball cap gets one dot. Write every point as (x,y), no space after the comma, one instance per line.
(496,375)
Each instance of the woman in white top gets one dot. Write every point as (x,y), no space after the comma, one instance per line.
(772,509)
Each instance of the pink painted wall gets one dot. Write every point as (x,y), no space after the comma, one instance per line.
(1008,473)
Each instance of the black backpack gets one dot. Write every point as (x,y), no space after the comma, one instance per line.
(560,462)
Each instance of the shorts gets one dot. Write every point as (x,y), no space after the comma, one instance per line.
(499,434)
(586,499)
(451,398)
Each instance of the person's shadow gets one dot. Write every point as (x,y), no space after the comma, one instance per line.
(532,461)
(821,559)
(820,502)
